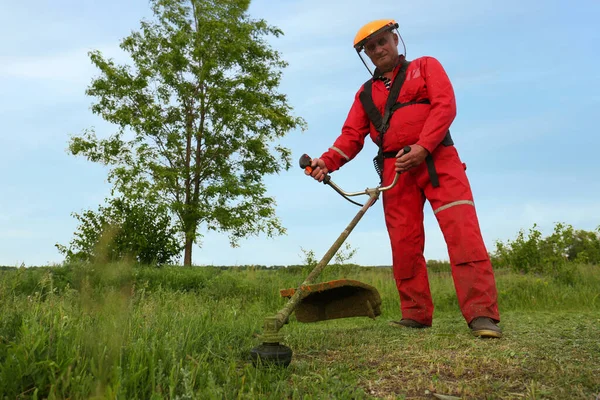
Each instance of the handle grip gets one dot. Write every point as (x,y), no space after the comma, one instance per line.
(305,164)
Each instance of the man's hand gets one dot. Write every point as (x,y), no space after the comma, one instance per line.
(416,156)
(319,169)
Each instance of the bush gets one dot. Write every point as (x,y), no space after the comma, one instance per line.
(554,254)
(124,229)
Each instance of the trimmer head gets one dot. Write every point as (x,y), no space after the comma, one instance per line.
(273,354)
(342,298)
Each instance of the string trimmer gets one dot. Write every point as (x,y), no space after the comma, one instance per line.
(326,300)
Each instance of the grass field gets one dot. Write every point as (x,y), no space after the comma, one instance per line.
(114,331)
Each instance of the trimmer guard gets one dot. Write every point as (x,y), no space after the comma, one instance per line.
(342,298)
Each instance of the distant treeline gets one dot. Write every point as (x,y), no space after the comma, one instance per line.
(527,253)
(434,264)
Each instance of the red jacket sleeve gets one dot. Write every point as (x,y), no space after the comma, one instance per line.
(443,104)
(352,139)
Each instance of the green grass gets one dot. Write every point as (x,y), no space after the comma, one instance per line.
(185,333)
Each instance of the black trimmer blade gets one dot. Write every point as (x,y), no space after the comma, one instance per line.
(273,354)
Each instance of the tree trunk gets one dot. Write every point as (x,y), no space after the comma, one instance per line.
(187,256)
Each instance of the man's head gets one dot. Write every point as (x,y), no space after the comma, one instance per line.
(379,39)
(383,51)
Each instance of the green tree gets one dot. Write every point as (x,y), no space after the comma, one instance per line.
(199,116)
(138,230)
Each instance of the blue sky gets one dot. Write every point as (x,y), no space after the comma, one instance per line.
(526,79)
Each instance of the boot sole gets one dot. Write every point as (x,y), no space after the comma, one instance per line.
(397,325)
(487,333)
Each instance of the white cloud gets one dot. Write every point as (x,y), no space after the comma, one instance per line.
(317,21)
(72,66)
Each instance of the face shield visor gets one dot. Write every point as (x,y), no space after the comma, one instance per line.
(372,35)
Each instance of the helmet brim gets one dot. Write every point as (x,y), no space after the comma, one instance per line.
(361,43)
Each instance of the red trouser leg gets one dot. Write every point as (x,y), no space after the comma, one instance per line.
(415,296)
(476,290)
(454,209)
(403,207)
(453,206)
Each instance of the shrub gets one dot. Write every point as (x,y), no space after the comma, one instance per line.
(552,255)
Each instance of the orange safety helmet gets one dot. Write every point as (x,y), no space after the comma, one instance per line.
(371,29)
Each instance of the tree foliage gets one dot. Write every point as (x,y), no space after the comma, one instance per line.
(198,115)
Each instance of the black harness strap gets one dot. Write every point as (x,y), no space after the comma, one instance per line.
(381,123)
(410,103)
(367,101)
(446,142)
(433,176)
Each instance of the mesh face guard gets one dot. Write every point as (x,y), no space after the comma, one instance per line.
(371,30)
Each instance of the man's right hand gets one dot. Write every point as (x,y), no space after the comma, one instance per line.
(319,169)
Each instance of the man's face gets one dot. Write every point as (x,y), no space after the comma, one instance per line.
(383,51)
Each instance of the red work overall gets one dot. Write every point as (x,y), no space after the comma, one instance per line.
(452,201)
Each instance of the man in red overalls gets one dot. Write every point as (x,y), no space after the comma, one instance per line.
(421,109)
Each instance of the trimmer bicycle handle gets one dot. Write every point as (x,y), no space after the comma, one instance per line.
(306,164)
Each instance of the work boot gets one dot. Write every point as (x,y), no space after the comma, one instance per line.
(485,327)
(408,323)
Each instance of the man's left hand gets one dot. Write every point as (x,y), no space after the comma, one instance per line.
(416,156)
